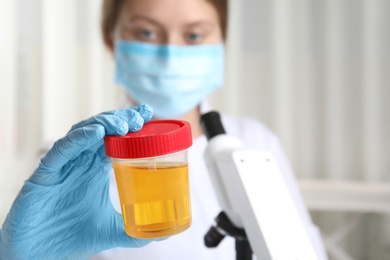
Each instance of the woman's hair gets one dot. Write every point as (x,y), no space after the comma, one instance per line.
(111,8)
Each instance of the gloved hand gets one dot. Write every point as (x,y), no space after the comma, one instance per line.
(63,211)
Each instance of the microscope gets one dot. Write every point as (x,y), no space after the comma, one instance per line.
(257,209)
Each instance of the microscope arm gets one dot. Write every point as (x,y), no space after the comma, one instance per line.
(253,194)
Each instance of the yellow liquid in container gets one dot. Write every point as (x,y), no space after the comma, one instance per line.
(155,200)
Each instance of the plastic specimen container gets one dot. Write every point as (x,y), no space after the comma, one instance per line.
(151,171)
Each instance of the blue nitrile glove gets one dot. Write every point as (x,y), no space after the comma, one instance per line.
(64,211)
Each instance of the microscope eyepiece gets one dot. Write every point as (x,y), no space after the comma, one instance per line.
(211,124)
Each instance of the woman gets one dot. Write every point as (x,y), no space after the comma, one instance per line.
(169,55)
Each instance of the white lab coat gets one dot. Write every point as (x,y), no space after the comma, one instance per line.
(189,244)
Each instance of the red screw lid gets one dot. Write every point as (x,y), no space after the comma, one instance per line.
(156,138)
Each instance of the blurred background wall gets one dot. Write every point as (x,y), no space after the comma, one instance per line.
(315,71)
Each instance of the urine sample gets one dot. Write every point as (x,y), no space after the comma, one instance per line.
(151,172)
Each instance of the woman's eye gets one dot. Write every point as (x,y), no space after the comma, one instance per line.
(147,34)
(194,37)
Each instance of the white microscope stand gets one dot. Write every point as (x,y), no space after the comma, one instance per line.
(255,197)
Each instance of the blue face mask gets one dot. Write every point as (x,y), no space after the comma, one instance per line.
(171,79)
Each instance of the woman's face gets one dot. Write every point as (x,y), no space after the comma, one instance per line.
(177,22)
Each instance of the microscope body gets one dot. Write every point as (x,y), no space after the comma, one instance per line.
(252,192)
